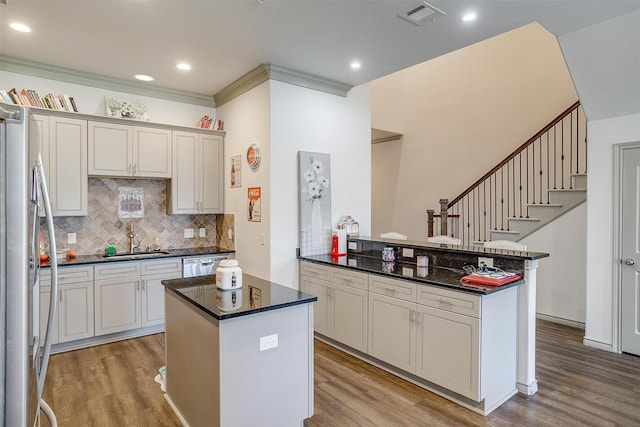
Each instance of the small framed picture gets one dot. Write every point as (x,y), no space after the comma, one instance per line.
(236,171)
(253,201)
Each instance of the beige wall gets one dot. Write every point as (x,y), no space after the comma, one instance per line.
(459,115)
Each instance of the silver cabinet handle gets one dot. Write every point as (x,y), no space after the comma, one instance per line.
(629,261)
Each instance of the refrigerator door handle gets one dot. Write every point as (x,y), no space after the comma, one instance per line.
(53,302)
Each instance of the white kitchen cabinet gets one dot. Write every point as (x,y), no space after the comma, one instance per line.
(449,350)
(130,295)
(392,331)
(153,272)
(129,151)
(341,310)
(196,184)
(75,318)
(64,156)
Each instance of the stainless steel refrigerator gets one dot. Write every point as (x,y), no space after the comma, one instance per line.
(24,349)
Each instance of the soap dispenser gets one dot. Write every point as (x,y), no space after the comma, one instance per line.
(156,245)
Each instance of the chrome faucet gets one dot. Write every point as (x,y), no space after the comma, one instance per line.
(131,235)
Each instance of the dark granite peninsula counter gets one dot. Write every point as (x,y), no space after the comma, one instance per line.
(238,357)
(471,343)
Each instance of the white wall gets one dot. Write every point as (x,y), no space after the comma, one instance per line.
(247,120)
(90,100)
(308,120)
(561,278)
(603,134)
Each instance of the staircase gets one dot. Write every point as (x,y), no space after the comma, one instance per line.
(541,180)
(538,215)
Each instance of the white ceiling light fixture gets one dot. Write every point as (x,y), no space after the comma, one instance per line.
(468,17)
(355,65)
(183,66)
(422,13)
(20,27)
(144,77)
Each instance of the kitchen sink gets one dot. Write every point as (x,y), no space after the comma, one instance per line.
(135,255)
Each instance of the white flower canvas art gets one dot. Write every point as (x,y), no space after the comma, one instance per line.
(314,203)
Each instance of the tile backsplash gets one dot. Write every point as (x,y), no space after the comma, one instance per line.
(102,227)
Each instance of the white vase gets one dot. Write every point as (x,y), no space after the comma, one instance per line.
(316,224)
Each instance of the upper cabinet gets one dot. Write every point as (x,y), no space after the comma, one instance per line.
(64,155)
(196,185)
(129,151)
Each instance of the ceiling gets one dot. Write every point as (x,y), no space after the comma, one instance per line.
(224,39)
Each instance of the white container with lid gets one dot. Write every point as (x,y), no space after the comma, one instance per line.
(228,274)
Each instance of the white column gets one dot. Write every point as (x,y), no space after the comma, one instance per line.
(526,379)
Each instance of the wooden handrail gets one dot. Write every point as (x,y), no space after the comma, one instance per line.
(514,154)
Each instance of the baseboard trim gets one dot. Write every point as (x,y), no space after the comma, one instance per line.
(598,344)
(560,320)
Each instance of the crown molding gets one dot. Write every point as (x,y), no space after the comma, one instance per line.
(37,69)
(265,72)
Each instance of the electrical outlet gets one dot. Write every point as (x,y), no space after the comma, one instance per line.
(270,341)
(262,239)
(488,262)
(229,234)
(188,233)
(203,232)
(71,238)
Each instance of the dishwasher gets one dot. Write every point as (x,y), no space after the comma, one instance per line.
(202,265)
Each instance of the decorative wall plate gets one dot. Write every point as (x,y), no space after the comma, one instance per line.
(253,156)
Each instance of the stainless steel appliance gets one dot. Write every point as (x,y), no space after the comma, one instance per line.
(24,349)
(202,266)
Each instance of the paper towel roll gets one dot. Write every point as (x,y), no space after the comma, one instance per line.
(342,241)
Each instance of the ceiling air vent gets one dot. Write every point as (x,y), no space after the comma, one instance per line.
(422,13)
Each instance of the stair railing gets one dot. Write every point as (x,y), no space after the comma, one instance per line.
(546,161)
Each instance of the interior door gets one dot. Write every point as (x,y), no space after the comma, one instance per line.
(630,287)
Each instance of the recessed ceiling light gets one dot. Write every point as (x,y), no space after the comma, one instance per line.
(355,65)
(468,17)
(183,66)
(143,77)
(20,27)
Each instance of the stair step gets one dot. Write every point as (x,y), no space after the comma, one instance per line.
(579,181)
(545,212)
(504,235)
(568,197)
(523,226)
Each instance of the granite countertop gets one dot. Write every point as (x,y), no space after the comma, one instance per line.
(256,295)
(100,258)
(433,275)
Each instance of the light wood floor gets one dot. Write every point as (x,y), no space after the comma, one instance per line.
(112,385)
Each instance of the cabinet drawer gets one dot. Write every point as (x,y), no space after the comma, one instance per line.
(456,302)
(161,266)
(314,270)
(116,269)
(353,279)
(67,275)
(393,288)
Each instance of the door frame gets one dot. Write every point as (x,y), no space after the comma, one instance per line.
(618,156)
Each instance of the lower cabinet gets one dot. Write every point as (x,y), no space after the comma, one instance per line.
(75,319)
(449,338)
(129,295)
(341,310)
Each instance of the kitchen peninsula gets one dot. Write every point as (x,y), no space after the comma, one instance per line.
(473,344)
(238,357)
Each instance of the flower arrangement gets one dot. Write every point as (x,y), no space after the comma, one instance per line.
(134,109)
(317,183)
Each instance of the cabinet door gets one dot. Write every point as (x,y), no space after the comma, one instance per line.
(75,311)
(68,180)
(392,332)
(45,298)
(184,183)
(153,298)
(318,288)
(117,305)
(349,316)
(448,350)
(211,160)
(152,151)
(110,149)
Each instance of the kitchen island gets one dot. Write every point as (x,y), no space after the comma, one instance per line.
(471,343)
(241,357)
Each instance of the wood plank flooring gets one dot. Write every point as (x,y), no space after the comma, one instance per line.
(112,385)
